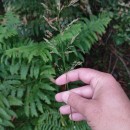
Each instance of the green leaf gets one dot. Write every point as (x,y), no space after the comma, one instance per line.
(8,123)
(33,109)
(20,92)
(24,71)
(14,101)
(1,121)
(4,114)
(14,69)
(27,108)
(46,86)
(36,71)
(44,97)
(39,105)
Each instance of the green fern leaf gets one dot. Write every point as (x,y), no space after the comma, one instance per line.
(15,101)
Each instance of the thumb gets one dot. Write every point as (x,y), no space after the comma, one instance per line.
(82,105)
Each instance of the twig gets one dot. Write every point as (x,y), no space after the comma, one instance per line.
(67,88)
(122,60)
(117,54)
(110,60)
(109,36)
(72,2)
(50,22)
(114,65)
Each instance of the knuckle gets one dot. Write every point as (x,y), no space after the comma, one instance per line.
(109,77)
(71,99)
(110,81)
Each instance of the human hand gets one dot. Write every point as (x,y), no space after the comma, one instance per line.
(102,102)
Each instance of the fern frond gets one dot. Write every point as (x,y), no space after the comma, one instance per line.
(78,38)
(9,27)
(51,119)
(30,51)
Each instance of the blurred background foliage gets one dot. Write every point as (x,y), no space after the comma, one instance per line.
(40,40)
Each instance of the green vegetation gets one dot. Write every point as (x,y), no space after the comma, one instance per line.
(40,40)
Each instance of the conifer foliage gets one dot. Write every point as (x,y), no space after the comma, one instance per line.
(39,40)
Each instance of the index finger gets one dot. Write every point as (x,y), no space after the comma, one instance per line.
(86,75)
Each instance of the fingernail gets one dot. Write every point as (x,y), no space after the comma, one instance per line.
(57,81)
(57,98)
(65,96)
(70,116)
